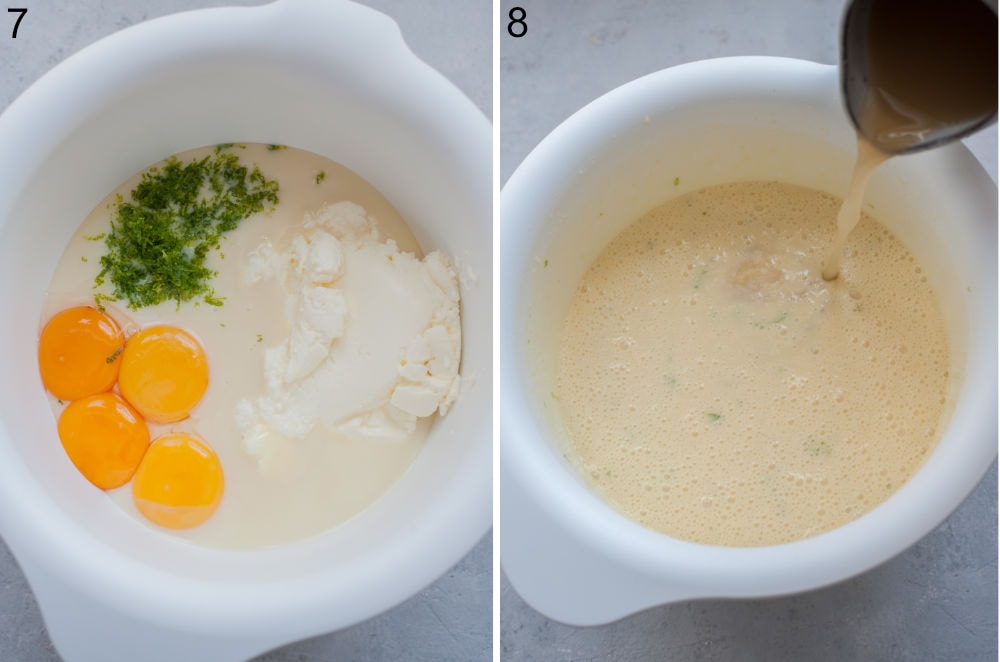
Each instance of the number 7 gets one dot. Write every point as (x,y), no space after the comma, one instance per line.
(20,10)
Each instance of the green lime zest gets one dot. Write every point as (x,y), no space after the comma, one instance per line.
(176,216)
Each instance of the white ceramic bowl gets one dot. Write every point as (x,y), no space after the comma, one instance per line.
(569,554)
(328,76)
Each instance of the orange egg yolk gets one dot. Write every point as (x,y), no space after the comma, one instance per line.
(163,373)
(79,353)
(104,437)
(179,483)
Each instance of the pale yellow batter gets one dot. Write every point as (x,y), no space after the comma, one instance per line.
(717,389)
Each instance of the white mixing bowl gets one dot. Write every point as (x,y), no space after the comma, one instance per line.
(568,553)
(328,76)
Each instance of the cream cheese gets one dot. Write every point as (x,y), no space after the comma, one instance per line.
(375,339)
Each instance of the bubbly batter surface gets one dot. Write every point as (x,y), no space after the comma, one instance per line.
(717,389)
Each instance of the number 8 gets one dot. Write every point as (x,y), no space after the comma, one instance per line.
(517,27)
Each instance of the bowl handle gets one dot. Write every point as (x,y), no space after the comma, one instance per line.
(82,628)
(565,578)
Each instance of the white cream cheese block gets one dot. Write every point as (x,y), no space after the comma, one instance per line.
(375,339)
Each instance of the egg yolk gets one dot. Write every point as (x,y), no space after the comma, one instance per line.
(79,353)
(179,483)
(104,437)
(163,373)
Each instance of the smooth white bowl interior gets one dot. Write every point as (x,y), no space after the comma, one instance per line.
(331,77)
(707,123)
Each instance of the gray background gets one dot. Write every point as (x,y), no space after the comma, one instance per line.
(451,619)
(937,601)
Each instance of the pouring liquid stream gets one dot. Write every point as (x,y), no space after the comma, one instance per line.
(914,75)
(869,157)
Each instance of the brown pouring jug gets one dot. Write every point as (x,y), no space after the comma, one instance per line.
(919,73)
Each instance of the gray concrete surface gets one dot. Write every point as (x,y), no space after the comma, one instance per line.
(938,600)
(451,620)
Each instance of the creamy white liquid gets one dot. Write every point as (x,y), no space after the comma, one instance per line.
(868,158)
(325,478)
(715,387)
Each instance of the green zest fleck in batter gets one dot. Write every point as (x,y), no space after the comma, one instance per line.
(817,448)
(159,240)
(763,324)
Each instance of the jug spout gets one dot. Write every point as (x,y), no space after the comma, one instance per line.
(919,74)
